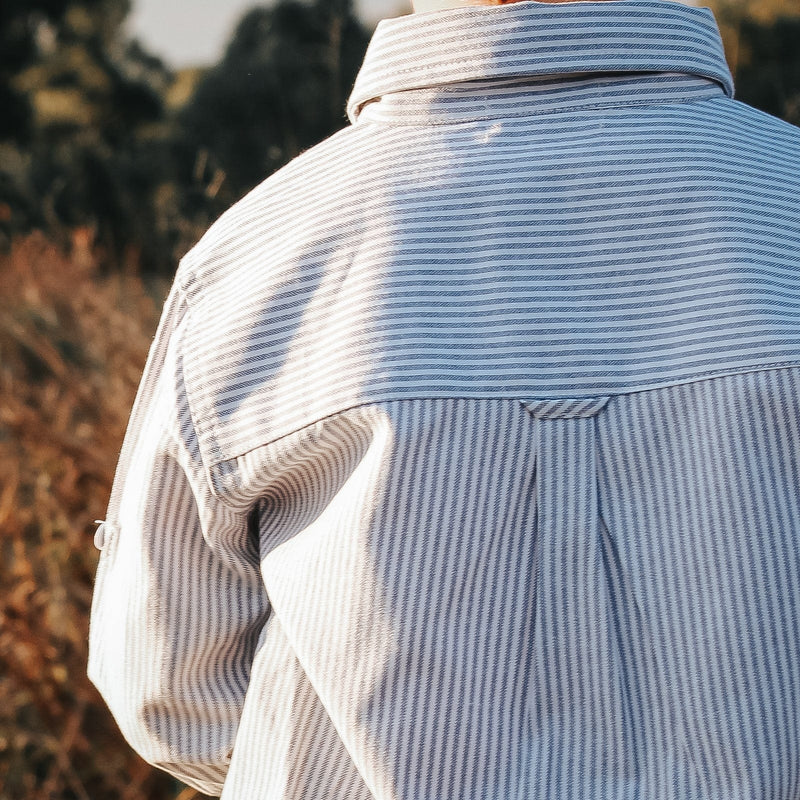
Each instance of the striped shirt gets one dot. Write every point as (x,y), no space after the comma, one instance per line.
(465,464)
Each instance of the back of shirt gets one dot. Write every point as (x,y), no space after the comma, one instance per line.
(465,464)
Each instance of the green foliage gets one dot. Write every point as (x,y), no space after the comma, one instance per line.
(91,139)
(280,88)
(768,74)
(92,134)
(82,104)
(762,45)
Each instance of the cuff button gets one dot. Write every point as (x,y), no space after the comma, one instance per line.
(100,534)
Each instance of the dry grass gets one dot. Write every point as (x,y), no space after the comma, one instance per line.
(72,346)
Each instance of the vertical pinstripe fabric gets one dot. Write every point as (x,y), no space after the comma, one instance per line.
(465,464)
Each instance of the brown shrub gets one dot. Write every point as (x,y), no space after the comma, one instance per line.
(72,346)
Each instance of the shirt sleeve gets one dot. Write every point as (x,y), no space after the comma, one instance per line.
(179,601)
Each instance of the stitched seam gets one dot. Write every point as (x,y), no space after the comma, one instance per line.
(710,375)
(419,122)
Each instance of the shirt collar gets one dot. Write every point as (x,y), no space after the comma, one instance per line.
(537,42)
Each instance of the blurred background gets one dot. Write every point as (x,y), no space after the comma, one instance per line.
(126,128)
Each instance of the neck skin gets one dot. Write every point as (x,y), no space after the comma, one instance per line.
(439,5)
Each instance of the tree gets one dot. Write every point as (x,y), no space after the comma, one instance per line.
(761,45)
(80,99)
(89,139)
(280,88)
(90,136)
(768,74)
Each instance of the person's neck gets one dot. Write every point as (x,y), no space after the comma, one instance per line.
(440,5)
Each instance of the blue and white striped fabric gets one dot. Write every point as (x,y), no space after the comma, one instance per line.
(465,465)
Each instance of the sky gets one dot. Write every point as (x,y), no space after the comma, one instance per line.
(187,33)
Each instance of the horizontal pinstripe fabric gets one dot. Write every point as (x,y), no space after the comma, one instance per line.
(465,462)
